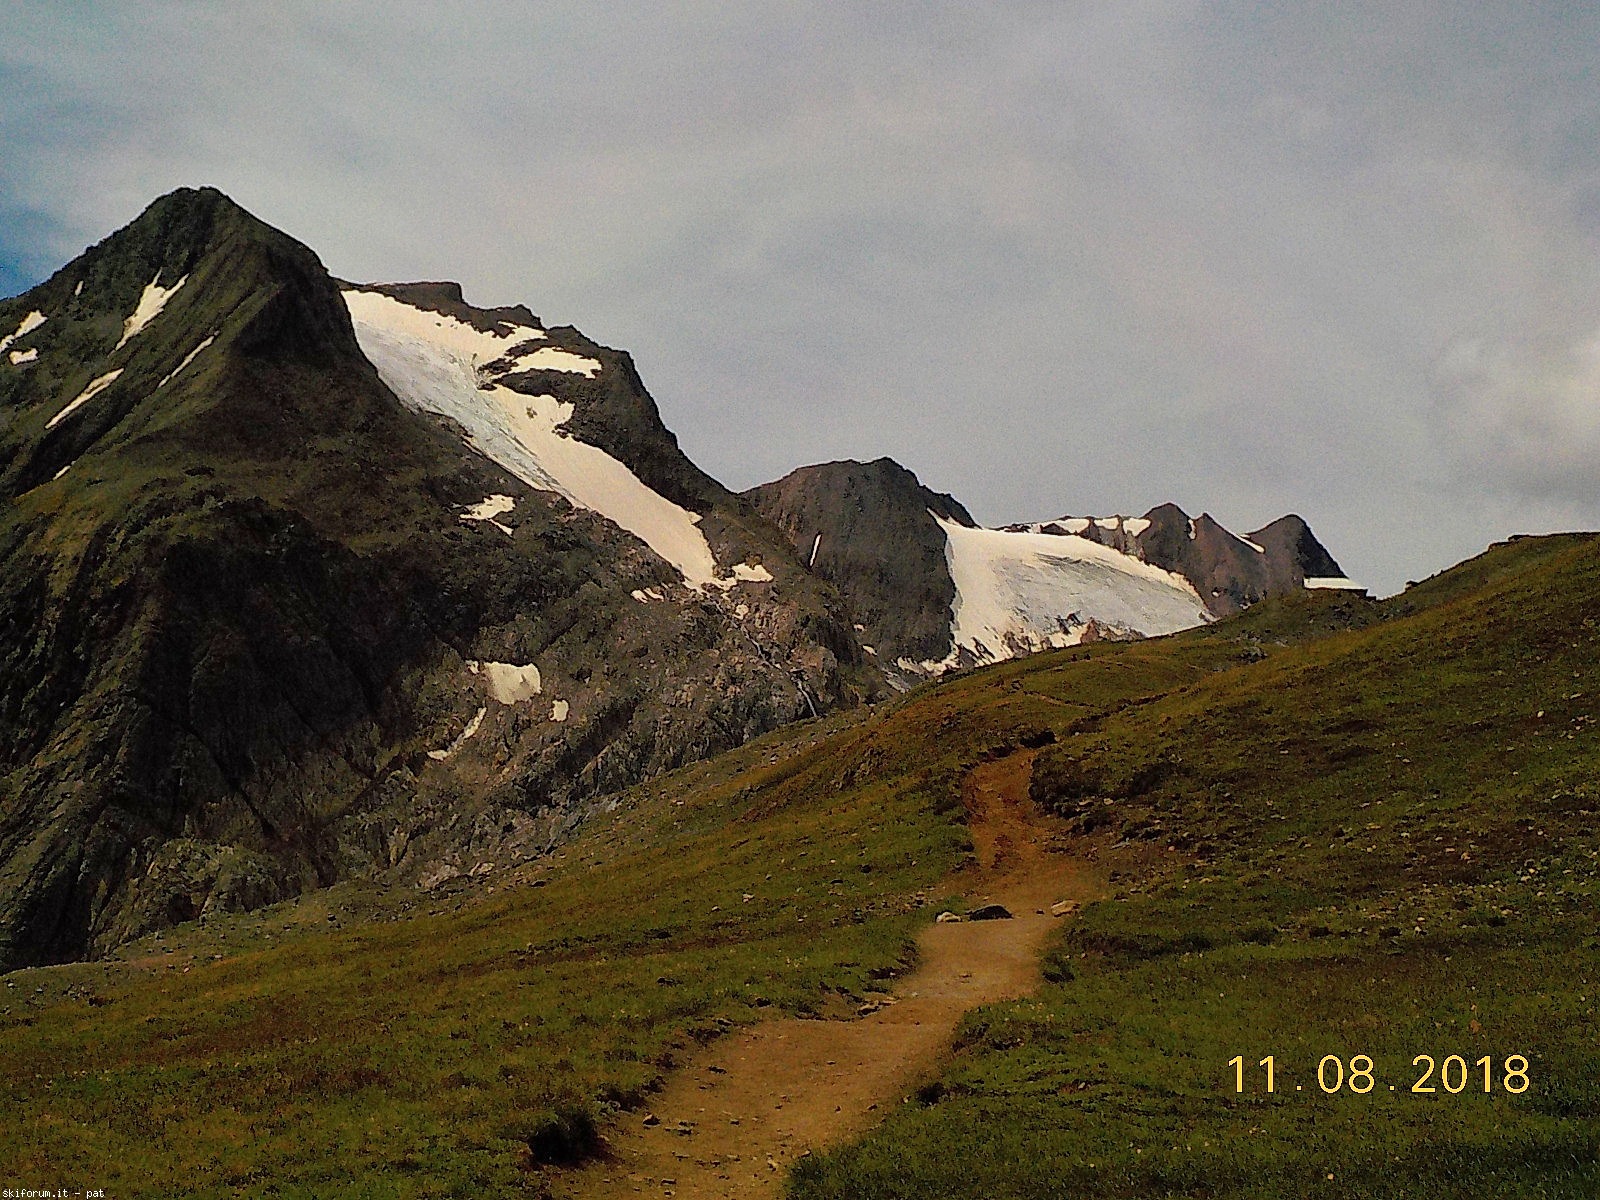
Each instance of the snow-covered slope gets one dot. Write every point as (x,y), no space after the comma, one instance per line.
(438,364)
(1017,592)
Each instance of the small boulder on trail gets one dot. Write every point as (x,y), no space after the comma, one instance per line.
(990,912)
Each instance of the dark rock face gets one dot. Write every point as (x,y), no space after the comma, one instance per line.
(1229,572)
(248,641)
(1289,540)
(875,539)
(990,912)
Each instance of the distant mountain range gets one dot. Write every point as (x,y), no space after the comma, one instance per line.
(931,591)
(306,580)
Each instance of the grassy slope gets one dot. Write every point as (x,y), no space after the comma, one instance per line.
(1389,848)
(447,1052)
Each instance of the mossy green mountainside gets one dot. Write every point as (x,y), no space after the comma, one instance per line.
(250,639)
(1336,826)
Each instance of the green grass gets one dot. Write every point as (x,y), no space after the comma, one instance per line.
(425,1057)
(1345,829)
(1379,841)
(453,1051)
(1117,1083)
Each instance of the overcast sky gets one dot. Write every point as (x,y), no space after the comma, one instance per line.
(1330,258)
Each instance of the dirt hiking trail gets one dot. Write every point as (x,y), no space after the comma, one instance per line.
(729,1122)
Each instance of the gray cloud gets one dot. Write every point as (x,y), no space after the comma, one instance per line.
(1331,258)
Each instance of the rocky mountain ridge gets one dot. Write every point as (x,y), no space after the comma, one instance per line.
(932,592)
(269,626)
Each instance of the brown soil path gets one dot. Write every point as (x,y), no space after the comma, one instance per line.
(734,1118)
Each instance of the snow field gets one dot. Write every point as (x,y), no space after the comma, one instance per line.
(440,365)
(1018,591)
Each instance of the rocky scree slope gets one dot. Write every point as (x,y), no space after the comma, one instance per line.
(268,625)
(930,591)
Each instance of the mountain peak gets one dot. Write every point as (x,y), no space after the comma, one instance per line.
(867,482)
(1291,537)
(272,589)
(175,231)
(931,591)
(867,529)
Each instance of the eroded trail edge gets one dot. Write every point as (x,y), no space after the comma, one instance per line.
(732,1120)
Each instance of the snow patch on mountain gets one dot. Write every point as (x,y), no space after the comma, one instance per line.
(474,345)
(29,323)
(461,739)
(489,508)
(551,358)
(96,386)
(1133,526)
(438,365)
(19,357)
(493,353)
(1022,591)
(744,573)
(1337,582)
(151,301)
(508,682)
(187,359)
